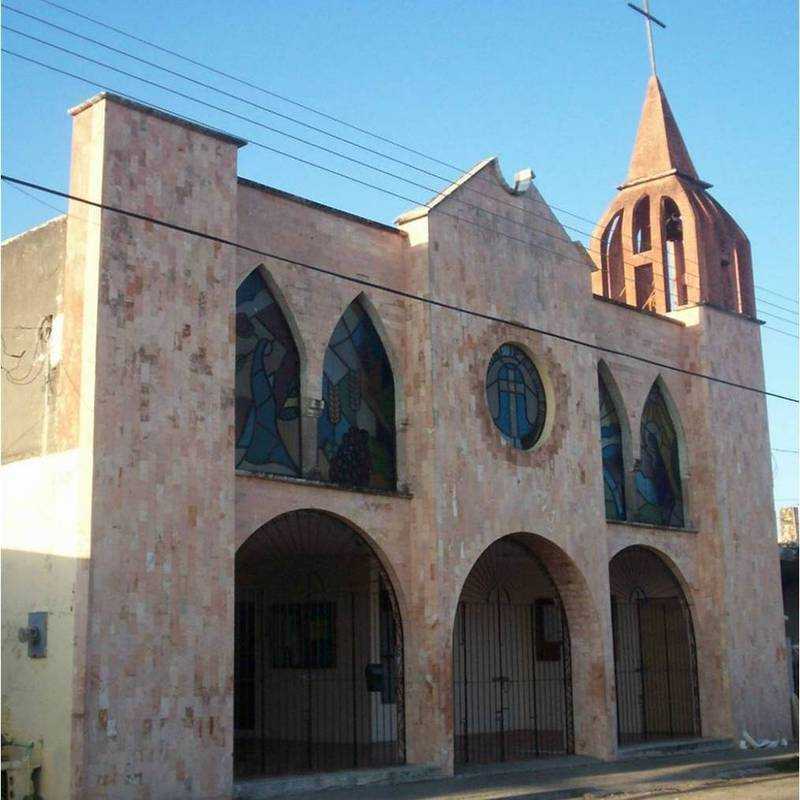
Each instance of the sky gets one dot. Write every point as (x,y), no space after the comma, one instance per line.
(556,86)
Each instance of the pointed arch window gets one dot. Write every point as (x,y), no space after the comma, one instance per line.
(659,498)
(641,225)
(611,446)
(267,383)
(356,430)
(611,259)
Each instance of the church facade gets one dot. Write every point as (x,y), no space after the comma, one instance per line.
(403,499)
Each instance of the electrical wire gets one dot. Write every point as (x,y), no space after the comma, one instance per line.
(390,290)
(317,129)
(312,144)
(297,104)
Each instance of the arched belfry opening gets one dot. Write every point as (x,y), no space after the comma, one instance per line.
(673,255)
(655,659)
(318,678)
(512,678)
(612,261)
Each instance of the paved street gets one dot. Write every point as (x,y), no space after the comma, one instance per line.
(721,775)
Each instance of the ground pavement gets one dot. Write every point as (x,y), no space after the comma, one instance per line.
(721,775)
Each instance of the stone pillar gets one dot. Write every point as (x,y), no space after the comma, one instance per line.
(156,711)
(311,408)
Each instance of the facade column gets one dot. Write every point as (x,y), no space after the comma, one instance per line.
(311,408)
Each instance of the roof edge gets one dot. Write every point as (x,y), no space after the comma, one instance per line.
(156,112)
(319,206)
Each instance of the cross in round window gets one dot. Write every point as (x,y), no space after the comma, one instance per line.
(516,396)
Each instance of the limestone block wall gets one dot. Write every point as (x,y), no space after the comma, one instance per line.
(156,712)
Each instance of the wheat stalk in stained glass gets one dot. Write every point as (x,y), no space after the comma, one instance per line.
(611,446)
(516,397)
(658,479)
(356,430)
(267,383)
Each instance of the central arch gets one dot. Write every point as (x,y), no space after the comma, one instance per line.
(318,677)
(512,669)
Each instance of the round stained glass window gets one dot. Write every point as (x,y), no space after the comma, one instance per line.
(516,397)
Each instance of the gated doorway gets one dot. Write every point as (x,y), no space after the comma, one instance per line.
(512,688)
(654,650)
(318,652)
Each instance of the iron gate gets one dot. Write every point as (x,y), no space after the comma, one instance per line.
(656,670)
(512,681)
(318,683)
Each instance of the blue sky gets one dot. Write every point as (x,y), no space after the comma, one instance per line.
(556,86)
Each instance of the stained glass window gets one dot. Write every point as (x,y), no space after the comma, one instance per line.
(611,446)
(356,432)
(658,484)
(516,396)
(267,383)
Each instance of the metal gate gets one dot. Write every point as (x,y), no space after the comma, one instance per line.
(318,657)
(656,670)
(512,681)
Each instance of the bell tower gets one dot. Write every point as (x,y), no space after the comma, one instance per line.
(664,241)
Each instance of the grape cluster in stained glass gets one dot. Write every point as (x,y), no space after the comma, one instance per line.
(611,446)
(658,483)
(516,396)
(356,430)
(267,383)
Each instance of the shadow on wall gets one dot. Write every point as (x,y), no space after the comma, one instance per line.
(37,692)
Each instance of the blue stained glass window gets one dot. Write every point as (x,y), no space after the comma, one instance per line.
(659,498)
(267,383)
(516,397)
(611,446)
(356,430)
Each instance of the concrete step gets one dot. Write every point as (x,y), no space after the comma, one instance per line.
(260,788)
(671,747)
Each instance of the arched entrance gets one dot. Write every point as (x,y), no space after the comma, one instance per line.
(318,651)
(512,686)
(654,650)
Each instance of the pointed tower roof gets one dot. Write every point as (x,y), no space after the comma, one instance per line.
(659,148)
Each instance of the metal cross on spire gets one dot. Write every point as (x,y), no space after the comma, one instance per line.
(648,18)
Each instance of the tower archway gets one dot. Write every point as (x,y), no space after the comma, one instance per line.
(318,679)
(512,669)
(655,659)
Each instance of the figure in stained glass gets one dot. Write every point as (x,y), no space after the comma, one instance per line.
(611,446)
(516,397)
(267,383)
(658,483)
(356,430)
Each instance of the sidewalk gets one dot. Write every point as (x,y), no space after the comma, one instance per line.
(720,775)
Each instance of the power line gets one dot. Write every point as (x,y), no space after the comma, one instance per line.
(329,170)
(312,109)
(312,144)
(390,290)
(494,231)
(434,190)
(297,121)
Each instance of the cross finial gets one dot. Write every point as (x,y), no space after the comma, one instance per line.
(648,18)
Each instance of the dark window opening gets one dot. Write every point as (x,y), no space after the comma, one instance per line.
(674,266)
(548,631)
(641,226)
